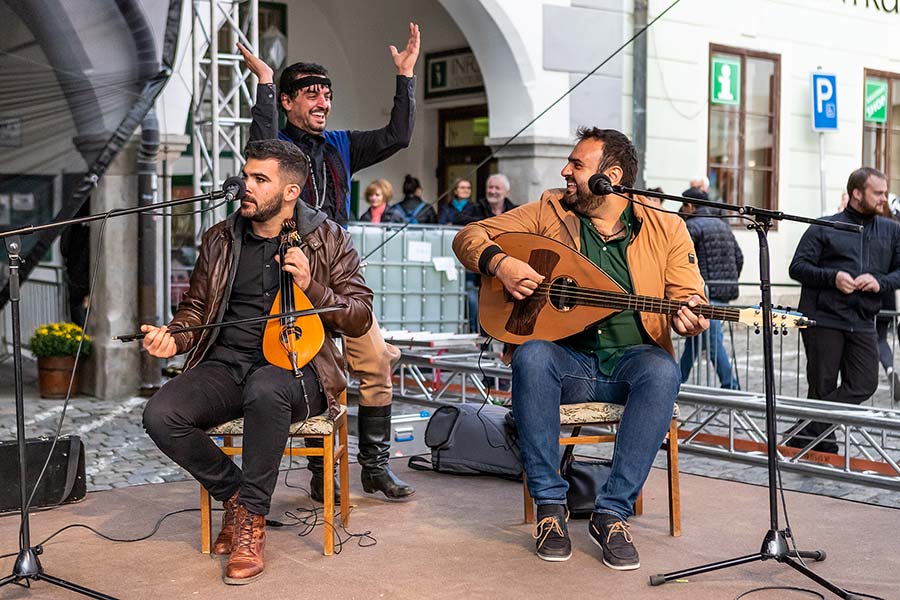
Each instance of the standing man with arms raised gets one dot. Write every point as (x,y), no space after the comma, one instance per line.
(843,275)
(305,95)
(627,358)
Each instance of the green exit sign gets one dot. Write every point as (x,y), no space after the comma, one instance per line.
(876,101)
(725,87)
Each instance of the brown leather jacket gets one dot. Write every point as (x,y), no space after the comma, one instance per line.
(661,257)
(336,278)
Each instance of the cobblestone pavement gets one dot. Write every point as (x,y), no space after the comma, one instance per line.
(119,453)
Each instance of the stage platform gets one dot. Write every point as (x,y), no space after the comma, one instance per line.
(460,538)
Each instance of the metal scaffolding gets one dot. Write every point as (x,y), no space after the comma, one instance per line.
(222,98)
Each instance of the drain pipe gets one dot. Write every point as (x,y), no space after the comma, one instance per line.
(639,86)
(150,254)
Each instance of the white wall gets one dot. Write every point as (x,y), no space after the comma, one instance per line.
(841,38)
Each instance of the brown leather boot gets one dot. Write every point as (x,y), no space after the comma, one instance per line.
(246,561)
(224,539)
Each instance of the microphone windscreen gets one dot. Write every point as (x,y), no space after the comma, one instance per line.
(600,184)
(235,187)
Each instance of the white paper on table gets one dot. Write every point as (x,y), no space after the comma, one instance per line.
(418,251)
(446,264)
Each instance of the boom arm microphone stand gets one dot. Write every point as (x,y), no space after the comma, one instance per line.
(774,545)
(27,567)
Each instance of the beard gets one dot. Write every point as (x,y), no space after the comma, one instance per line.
(265,210)
(583,201)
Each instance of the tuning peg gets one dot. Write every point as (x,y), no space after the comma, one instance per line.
(779,307)
(757,330)
(787,308)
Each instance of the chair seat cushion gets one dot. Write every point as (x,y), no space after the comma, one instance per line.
(593,412)
(318,425)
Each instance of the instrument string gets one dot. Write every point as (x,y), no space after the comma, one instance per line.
(619,299)
(610,299)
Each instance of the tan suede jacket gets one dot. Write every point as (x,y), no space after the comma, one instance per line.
(336,278)
(661,257)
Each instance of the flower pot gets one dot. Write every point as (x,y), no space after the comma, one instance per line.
(53,376)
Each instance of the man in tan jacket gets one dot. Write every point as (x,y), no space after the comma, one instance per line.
(627,358)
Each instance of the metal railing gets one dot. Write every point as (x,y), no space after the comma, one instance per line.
(725,424)
(43,300)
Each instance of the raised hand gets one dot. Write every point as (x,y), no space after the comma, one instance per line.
(257,66)
(406,61)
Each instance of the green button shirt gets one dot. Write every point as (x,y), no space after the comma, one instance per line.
(611,337)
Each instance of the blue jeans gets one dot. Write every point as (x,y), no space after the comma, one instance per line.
(722,363)
(547,374)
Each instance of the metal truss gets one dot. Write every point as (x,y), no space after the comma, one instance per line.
(223,93)
(724,424)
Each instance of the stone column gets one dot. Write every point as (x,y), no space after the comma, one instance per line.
(532,164)
(114,368)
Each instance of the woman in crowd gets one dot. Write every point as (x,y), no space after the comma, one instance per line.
(451,209)
(379,193)
(413,209)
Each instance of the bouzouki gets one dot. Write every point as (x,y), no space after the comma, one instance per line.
(576,293)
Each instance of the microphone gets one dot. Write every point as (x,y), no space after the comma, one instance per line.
(234,188)
(600,184)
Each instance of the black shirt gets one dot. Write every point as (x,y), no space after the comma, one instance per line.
(822,252)
(255,285)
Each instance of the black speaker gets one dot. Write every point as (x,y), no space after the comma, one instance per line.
(64,481)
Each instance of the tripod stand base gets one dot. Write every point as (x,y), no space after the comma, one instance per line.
(774,547)
(28,568)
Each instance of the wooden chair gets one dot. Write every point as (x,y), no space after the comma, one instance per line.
(603,414)
(321,427)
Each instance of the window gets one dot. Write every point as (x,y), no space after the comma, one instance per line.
(742,160)
(881,125)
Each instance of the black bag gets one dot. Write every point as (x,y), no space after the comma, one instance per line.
(470,439)
(585,478)
(63,482)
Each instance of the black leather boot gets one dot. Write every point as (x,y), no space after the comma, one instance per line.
(316,483)
(374,451)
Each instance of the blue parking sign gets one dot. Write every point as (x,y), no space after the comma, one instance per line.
(824,102)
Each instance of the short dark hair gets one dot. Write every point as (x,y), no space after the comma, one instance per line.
(410,185)
(291,161)
(859,177)
(617,151)
(295,71)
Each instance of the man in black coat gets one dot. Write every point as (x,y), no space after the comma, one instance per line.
(720,259)
(843,275)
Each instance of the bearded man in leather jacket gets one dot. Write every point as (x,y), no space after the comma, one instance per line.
(226,376)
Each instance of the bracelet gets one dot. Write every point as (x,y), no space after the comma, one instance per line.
(497,266)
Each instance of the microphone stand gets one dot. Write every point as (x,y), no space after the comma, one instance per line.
(28,567)
(774,545)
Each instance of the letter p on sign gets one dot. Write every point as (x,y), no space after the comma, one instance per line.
(824,97)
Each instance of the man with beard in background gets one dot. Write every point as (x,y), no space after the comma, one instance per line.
(627,358)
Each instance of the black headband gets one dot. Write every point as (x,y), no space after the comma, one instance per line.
(305,82)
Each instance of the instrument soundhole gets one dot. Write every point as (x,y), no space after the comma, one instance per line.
(287,332)
(563,293)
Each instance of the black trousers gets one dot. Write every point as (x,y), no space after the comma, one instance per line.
(830,352)
(270,399)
